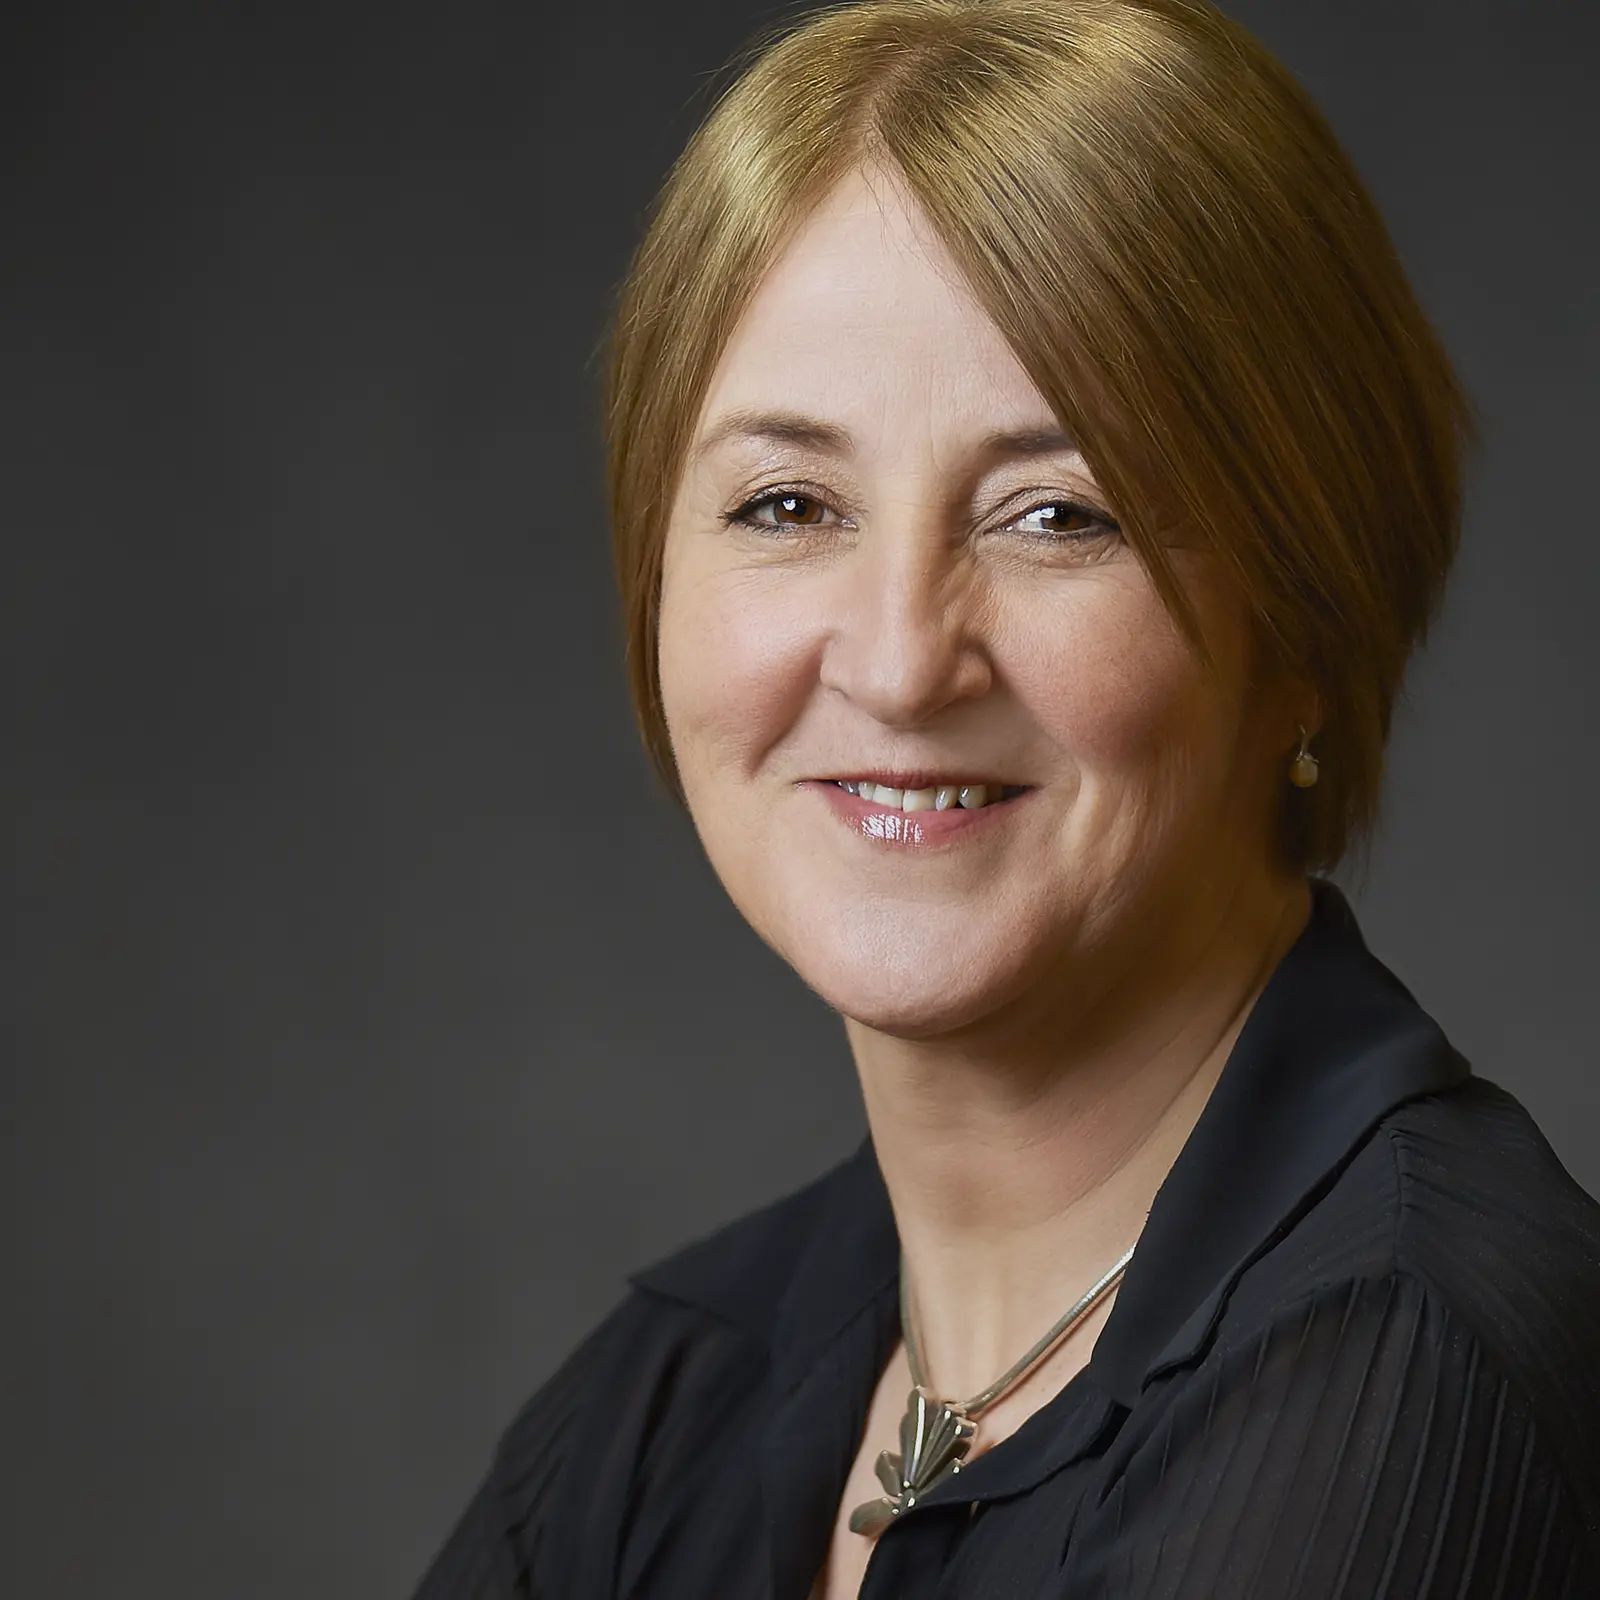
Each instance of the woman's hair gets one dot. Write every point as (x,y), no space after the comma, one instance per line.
(1171,240)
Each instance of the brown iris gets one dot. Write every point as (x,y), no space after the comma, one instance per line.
(1064,511)
(784,501)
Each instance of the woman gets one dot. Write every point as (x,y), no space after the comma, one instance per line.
(1031,472)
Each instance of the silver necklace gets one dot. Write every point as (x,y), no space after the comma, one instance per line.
(936,1435)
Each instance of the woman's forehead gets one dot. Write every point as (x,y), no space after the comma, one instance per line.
(864,308)
(865,255)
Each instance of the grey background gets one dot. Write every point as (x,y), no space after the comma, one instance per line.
(373,1014)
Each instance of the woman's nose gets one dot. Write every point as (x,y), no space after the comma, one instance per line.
(905,642)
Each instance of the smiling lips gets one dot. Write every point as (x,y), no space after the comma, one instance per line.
(934,797)
(916,813)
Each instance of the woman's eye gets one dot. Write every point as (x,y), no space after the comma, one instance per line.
(1060,521)
(790,510)
(1065,521)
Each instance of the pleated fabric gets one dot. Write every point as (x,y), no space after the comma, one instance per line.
(1361,1446)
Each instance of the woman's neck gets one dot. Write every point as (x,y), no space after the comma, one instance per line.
(1021,1157)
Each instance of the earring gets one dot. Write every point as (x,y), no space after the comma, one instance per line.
(1303,769)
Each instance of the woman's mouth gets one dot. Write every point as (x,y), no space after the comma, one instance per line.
(933,797)
(919,810)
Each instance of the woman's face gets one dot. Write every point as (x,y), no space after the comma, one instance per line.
(914,605)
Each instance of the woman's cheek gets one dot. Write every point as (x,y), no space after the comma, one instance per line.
(1099,676)
(737,659)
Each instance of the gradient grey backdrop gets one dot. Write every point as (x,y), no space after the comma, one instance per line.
(376,1016)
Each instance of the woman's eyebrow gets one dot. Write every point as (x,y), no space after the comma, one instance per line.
(795,428)
(778,427)
(1021,444)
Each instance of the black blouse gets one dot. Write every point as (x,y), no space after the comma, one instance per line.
(1354,1355)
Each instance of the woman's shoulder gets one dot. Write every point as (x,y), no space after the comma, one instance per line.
(1449,1274)
(703,1313)
(1490,1221)
(720,1290)
(1461,1191)
(1486,1212)
(643,1391)
(1456,1213)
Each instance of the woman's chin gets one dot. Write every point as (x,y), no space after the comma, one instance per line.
(911,997)
(930,1017)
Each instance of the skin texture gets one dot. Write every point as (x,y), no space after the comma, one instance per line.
(1039,1006)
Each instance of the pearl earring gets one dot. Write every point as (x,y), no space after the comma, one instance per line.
(1303,769)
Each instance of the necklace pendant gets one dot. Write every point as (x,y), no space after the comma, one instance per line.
(934,1440)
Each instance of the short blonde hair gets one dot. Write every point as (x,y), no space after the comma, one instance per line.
(1167,233)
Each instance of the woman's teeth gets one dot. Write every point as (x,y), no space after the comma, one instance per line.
(968,795)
